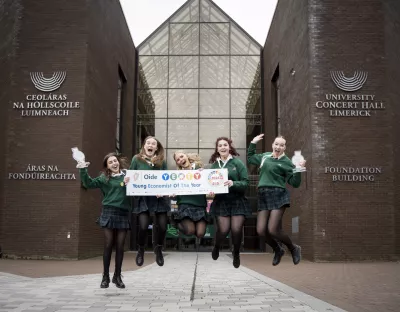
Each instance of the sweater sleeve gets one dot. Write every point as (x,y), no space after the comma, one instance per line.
(164,166)
(88,182)
(133,165)
(252,157)
(294,179)
(243,181)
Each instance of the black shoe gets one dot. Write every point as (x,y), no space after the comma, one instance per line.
(118,281)
(159,255)
(236,259)
(279,252)
(140,256)
(105,281)
(215,253)
(296,254)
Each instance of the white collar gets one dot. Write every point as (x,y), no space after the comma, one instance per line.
(223,162)
(265,157)
(116,174)
(283,154)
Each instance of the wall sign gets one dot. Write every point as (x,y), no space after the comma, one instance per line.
(41,172)
(46,104)
(353,174)
(350,104)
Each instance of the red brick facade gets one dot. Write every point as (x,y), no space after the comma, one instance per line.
(339,220)
(90,41)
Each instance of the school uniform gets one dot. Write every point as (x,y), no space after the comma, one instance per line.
(116,205)
(152,204)
(275,173)
(235,202)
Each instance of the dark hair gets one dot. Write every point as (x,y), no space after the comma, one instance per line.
(159,154)
(232,150)
(123,163)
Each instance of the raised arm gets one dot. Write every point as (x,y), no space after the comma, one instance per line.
(88,182)
(252,157)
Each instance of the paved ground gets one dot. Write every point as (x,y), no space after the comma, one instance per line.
(187,282)
(356,287)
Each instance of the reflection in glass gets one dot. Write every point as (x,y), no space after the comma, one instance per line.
(210,13)
(245,102)
(183,71)
(214,72)
(210,130)
(182,133)
(205,155)
(214,38)
(245,71)
(153,101)
(160,131)
(238,132)
(157,44)
(170,156)
(242,44)
(183,103)
(214,103)
(188,13)
(243,155)
(153,71)
(184,39)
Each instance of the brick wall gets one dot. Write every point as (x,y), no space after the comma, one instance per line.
(109,46)
(38,215)
(353,220)
(287,46)
(339,220)
(392,44)
(9,25)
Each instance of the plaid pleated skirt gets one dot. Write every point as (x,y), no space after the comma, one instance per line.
(272,198)
(194,213)
(152,204)
(114,218)
(230,206)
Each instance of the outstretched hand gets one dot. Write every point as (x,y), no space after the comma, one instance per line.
(257,138)
(82,164)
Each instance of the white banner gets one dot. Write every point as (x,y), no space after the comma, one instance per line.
(178,182)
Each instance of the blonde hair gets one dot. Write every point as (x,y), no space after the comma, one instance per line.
(192,157)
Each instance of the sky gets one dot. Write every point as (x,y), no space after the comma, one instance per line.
(144,16)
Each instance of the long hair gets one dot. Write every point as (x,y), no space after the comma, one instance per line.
(158,158)
(232,150)
(192,157)
(123,164)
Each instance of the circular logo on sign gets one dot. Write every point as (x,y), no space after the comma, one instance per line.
(173,176)
(215,178)
(189,176)
(181,176)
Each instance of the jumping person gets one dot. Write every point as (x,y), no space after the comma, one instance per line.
(115,216)
(276,169)
(151,157)
(232,208)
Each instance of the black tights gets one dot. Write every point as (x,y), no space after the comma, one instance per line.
(235,225)
(272,219)
(189,227)
(119,252)
(160,224)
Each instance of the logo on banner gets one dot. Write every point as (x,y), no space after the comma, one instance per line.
(349,84)
(48,84)
(136,176)
(215,178)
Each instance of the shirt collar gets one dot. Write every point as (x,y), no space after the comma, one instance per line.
(223,162)
(283,154)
